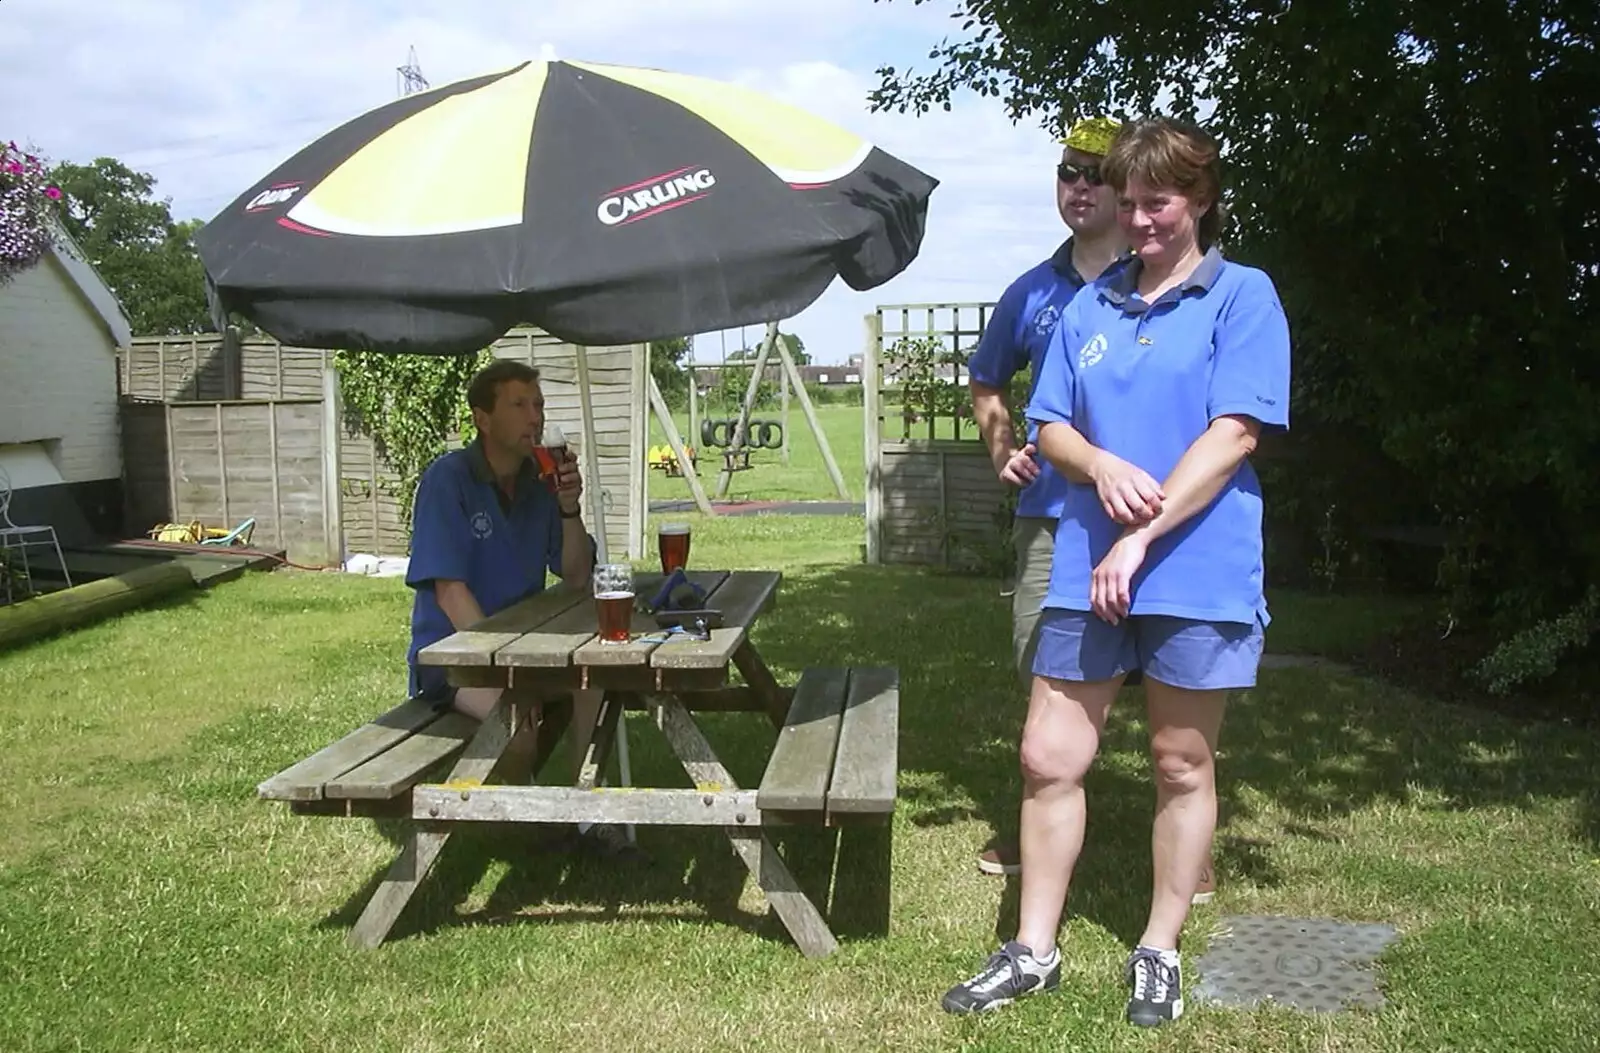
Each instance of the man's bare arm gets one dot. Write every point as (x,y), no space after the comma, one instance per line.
(994,422)
(577,555)
(1012,463)
(458,603)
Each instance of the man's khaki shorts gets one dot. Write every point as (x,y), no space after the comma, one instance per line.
(1035,541)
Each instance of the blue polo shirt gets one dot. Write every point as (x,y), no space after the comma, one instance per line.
(1144,380)
(465,529)
(1017,336)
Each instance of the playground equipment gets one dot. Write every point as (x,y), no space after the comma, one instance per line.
(743,434)
(723,433)
(762,434)
(662,459)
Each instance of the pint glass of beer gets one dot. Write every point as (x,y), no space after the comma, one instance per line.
(613,601)
(672,541)
(550,454)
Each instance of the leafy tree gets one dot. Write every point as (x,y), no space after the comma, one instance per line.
(748,354)
(802,357)
(735,377)
(668,366)
(1421,178)
(734,382)
(146,258)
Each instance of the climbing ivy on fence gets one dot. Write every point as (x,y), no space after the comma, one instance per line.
(921,368)
(409,404)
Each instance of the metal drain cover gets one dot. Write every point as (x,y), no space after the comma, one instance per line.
(1314,964)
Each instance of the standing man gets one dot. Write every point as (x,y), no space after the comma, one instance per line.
(1015,339)
(486,530)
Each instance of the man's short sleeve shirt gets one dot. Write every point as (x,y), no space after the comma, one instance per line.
(1016,337)
(465,529)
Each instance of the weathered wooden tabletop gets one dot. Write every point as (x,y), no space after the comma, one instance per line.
(549,642)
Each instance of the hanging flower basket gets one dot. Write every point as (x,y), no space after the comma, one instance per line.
(27,211)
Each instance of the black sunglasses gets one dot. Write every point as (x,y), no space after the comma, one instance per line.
(1068,173)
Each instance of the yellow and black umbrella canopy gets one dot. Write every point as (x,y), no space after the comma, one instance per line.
(606,204)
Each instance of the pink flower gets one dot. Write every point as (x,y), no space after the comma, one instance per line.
(53,193)
(14,168)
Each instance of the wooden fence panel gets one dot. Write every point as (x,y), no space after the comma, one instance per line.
(370,493)
(299,496)
(222,463)
(930,500)
(197,463)
(176,368)
(214,474)
(941,504)
(269,370)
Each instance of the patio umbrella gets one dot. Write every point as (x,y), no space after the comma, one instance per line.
(605,204)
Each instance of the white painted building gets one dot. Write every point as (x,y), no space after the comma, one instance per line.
(60,442)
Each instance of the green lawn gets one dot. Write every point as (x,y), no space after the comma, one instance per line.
(148,901)
(804,478)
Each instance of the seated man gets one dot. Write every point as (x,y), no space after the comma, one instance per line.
(485,530)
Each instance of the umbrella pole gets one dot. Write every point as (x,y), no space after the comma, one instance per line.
(597,519)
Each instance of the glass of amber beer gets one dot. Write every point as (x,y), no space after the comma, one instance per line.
(672,541)
(550,454)
(613,601)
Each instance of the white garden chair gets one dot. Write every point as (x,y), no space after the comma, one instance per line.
(18,540)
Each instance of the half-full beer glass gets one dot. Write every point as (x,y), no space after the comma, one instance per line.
(550,454)
(672,541)
(613,601)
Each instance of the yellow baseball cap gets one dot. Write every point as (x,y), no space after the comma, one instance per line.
(1093,135)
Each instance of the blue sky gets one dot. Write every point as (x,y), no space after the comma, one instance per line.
(208,95)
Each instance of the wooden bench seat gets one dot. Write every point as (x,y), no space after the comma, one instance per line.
(837,756)
(381,760)
(832,780)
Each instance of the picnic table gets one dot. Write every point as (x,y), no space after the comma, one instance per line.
(834,762)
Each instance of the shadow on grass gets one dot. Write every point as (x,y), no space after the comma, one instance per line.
(546,880)
(1319,746)
(689,874)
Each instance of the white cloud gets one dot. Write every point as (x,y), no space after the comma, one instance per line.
(207,96)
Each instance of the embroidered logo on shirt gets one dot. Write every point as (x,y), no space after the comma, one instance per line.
(482,525)
(1092,352)
(1044,322)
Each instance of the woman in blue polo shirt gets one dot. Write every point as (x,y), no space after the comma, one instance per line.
(1158,382)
